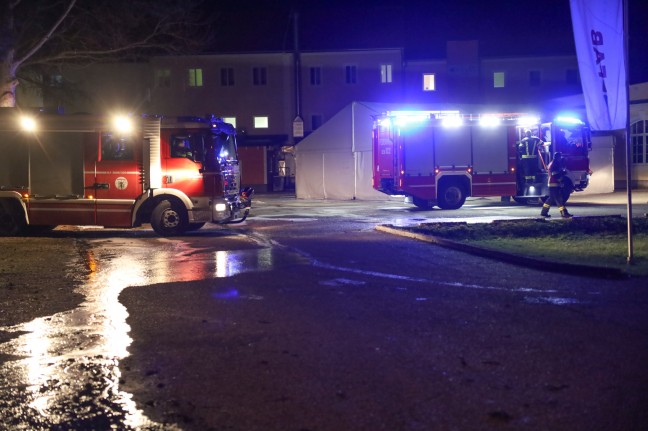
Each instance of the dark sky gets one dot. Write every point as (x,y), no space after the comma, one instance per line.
(503,27)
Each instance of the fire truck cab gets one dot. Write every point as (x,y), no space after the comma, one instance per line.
(176,173)
(442,157)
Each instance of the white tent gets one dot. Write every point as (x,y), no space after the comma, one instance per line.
(335,161)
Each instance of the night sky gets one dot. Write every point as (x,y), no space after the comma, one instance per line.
(503,28)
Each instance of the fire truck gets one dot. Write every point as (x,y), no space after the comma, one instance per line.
(176,173)
(442,157)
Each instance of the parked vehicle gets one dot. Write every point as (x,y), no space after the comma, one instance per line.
(176,173)
(442,157)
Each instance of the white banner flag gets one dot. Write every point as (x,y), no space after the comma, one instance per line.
(599,36)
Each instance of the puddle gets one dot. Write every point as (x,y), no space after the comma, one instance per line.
(69,377)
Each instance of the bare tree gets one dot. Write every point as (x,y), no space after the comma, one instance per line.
(39,35)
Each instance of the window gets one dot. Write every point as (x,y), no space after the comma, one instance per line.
(227,77)
(639,141)
(259,76)
(195,78)
(56,81)
(429,83)
(351,72)
(316,121)
(534,78)
(316,76)
(498,80)
(231,120)
(182,147)
(385,73)
(163,78)
(260,122)
(116,147)
(572,77)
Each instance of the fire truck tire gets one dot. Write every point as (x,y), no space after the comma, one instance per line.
(169,218)
(12,221)
(451,197)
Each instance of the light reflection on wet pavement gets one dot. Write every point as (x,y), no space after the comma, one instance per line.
(68,373)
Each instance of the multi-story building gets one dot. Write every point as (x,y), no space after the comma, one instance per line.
(274,99)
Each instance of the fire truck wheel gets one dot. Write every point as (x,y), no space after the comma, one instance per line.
(451,197)
(12,222)
(169,218)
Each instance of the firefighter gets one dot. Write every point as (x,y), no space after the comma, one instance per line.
(181,149)
(528,148)
(529,144)
(556,174)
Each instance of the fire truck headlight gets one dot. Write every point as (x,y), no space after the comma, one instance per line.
(28,124)
(220,207)
(123,124)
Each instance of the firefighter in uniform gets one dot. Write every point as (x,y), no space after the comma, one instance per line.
(556,174)
(528,149)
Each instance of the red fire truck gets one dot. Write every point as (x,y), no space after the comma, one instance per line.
(176,173)
(442,157)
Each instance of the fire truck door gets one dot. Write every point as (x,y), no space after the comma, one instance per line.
(116,181)
(182,165)
(385,155)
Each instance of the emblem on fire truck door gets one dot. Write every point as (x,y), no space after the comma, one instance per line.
(121,183)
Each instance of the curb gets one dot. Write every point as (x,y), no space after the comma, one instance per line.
(528,262)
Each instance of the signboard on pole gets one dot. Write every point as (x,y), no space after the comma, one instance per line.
(298,127)
(599,36)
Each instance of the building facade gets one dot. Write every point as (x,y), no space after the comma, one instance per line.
(275,99)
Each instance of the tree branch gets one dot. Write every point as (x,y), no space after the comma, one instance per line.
(45,38)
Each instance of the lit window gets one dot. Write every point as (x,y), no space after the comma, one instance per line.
(534,78)
(639,141)
(429,82)
(163,78)
(498,80)
(195,78)
(351,74)
(227,76)
(259,76)
(385,73)
(316,76)
(260,122)
(231,120)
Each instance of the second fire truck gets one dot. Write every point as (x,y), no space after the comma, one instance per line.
(440,158)
(176,173)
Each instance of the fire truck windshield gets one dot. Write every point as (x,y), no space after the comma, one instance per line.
(224,147)
(221,148)
(572,140)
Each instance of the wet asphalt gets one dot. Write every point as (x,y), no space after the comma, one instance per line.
(311,320)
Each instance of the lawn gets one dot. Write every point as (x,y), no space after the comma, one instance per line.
(594,241)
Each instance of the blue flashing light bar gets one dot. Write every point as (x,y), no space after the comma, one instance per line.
(453,118)
(572,121)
